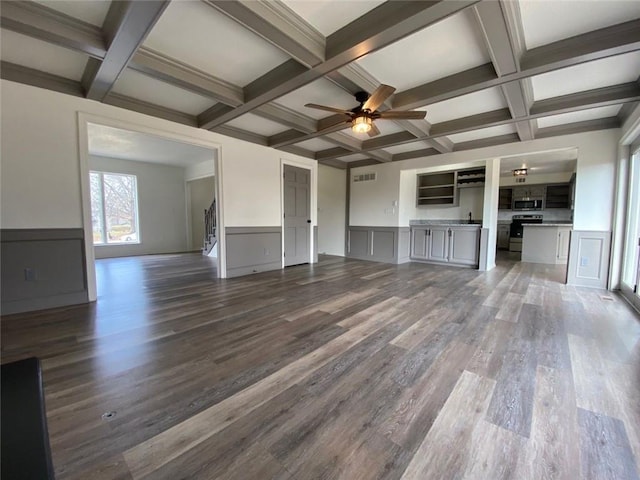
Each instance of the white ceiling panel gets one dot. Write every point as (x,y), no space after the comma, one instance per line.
(142,87)
(322,92)
(549,21)
(202,37)
(327,17)
(256,124)
(450,46)
(581,116)
(386,127)
(43,56)
(93,12)
(466,105)
(316,144)
(128,145)
(482,133)
(587,76)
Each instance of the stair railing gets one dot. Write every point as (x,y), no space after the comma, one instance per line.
(210,221)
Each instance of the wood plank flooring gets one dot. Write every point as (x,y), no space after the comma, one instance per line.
(341,370)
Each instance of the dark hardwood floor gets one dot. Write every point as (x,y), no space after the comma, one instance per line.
(344,369)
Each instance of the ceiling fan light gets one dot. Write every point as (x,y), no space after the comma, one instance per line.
(361,124)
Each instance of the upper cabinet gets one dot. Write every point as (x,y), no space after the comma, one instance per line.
(505,198)
(441,189)
(554,195)
(558,196)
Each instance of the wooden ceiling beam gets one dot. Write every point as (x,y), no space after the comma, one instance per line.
(125,27)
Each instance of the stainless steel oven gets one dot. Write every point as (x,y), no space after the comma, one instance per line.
(526,204)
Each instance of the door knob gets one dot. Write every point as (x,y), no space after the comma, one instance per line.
(308,221)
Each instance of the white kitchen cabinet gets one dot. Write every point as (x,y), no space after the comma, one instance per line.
(546,243)
(504,234)
(452,244)
(562,251)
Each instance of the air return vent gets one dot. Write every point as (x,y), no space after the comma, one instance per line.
(364,177)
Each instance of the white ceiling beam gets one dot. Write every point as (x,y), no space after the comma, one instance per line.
(279,25)
(126,26)
(603,43)
(382,26)
(44,23)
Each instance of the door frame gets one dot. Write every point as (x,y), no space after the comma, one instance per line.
(84,119)
(313,194)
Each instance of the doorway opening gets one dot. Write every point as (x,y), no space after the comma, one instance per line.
(143,193)
(535,207)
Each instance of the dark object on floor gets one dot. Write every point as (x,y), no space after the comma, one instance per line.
(25,440)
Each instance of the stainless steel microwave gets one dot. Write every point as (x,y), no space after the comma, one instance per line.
(528,204)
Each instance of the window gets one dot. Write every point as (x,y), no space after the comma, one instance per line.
(114,208)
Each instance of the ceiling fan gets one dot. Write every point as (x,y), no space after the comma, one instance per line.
(362,117)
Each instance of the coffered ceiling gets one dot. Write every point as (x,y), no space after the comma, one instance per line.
(486,72)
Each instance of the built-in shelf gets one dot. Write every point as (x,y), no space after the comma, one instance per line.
(442,188)
(471,178)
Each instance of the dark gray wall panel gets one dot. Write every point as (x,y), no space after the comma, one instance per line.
(380,244)
(42,268)
(384,245)
(253,250)
(404,245)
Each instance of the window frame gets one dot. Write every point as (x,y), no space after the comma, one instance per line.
(103,216)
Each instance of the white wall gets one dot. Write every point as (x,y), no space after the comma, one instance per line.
(161,207)
(536,179)
(200,170)
(332,196)
(596,166)
(40,162)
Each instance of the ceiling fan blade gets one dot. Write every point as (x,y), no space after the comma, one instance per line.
(374,130)
(328,109)
(332,122)
(406,115)
(378,97)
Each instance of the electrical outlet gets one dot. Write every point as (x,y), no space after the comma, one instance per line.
(30,275)
(584,261)
(266,252)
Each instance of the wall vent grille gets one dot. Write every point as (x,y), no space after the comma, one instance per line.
(364,177)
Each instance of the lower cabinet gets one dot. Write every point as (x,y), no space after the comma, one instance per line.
(446,244)
(562,250)
(504,233)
